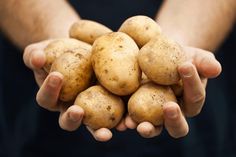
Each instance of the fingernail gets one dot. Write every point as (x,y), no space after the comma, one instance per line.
(73,117)
(54,81)
(172,113)
(31,63)
(187,70)
(37,59)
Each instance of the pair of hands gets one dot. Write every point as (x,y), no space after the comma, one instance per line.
(200,66)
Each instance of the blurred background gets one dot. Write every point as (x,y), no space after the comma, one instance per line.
(27,130)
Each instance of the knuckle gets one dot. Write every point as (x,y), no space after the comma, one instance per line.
(194,105)
(198,98)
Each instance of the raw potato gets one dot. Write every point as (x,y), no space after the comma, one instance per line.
(159,60)
(141,28)
(178,88)
(102,108)
(58,47)
(146,104)
(77,71)
(144,79)
(114,60)
(88,31)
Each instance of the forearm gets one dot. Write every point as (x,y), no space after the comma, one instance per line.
(28,21)
(198,23)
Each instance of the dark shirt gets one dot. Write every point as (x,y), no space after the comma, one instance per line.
(26,130)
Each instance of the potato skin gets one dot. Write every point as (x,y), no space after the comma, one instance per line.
(141,28)
(159,60)
(178,88)
(114,60)
(146,104)
(77,71)
(102,108)
(88,31)
(60,46)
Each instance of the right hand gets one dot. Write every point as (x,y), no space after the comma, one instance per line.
(200,66)
(50,85)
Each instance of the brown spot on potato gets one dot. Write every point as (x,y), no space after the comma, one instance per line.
(106,71)
(80,56)
(108,108)
(146,104)
(114,78)
(112,118)
(102,109)
(118,57)
(91,36)
(101,48)
(122,85)
(146,28)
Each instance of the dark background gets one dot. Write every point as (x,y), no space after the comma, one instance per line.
(27,130)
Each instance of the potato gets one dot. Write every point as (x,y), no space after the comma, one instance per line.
(178,88)
(144,79)
(146,104)
(114,60)
(77,71)
(141,28)
(159,60)
(58,47)
(88,31)
(102,108)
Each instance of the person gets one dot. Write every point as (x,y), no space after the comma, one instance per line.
(188,22)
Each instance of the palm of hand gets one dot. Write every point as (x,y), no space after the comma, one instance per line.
(200,66)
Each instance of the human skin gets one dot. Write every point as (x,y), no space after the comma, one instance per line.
(202,24)
(29,21)
(50,85)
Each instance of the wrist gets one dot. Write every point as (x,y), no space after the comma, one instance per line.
(59,27)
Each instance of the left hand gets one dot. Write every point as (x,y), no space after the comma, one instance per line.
(194,73)
(71,116)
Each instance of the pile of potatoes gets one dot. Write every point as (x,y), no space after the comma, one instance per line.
(100,67)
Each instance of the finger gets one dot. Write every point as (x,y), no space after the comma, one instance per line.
(101,135)
(40,75)
(130,123)
(204,82)
(194,91)
(71,118)
(48,94)
(175,123)
(121,126)
(206,63)
(147,130)
(33,56)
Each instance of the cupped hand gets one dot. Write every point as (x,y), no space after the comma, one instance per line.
(50,85)
(200,66)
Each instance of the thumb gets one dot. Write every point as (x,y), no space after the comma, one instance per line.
(206,63)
